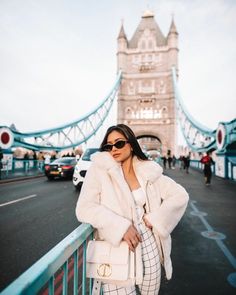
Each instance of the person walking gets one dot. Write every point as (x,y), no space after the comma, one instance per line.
(47,159)
(125,197)
(1,157)
(173,161)
(186,161)
(164,159)
(169,159)
(207,162)
(181,162)
(26,162)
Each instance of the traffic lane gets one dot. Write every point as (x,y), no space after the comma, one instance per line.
(29,229)
(15,190)
(37,225)
(46,192)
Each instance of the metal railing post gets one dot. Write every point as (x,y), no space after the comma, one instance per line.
(84,269)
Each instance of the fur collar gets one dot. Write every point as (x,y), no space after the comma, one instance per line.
(148,170)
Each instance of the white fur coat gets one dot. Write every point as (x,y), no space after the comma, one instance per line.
(107,204)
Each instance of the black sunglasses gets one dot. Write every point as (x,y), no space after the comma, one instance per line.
(119,145)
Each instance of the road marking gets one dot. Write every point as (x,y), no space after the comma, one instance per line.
(219,242)
(18,200)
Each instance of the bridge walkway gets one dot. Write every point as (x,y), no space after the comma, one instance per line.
(204,242)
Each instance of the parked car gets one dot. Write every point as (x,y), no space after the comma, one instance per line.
(62,168)
(82,166)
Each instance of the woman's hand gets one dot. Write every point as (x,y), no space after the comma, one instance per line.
(132,237)
(148,224)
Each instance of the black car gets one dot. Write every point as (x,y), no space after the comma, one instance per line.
(62,168)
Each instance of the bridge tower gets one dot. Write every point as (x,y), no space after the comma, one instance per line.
(146,95)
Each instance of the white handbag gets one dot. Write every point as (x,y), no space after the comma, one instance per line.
(108,263)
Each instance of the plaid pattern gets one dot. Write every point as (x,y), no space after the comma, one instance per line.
(151,266)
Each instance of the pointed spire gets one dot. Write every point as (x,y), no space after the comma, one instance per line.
(173,26)
(122,32)
(148,13)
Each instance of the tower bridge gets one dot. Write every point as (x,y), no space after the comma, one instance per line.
(148,99)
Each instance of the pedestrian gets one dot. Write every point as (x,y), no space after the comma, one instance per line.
(186,163)
(35,159)
(125,197)
(164,159)
(173,161)
(181,162)
(40,161)
(47,159)
(1,157)
(169,158)
(26,162)
(169,161)
(207,162)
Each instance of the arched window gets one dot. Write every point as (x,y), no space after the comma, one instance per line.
(150,44)
(143,45)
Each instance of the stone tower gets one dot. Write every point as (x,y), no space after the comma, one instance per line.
(146,98)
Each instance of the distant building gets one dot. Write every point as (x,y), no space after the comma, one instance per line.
(146,98)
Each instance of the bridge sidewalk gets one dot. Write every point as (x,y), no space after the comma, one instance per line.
(203,265)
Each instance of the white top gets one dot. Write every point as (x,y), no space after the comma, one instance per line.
(139,199)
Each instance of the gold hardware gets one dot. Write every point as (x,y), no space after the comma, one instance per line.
(104,270)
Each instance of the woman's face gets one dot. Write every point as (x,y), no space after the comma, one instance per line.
(122,154)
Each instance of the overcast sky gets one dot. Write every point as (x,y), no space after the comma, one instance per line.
(58,58)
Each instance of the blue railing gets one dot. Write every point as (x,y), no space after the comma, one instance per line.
(26,165)
(231,167)
(61,271)
(16,167)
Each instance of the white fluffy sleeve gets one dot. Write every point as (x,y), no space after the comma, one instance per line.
(89,210)
(174,202)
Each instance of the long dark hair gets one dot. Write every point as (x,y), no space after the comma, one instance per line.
(129,135)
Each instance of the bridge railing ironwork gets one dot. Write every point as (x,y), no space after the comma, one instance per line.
(62,269)
(16,167)
(26,165)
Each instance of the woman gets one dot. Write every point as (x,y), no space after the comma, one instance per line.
(126,197)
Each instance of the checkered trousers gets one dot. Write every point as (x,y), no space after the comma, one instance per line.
(151,267)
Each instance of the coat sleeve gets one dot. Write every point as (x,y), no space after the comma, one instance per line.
(90,210)
(174,202)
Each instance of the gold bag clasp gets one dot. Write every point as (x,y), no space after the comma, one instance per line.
(104,270)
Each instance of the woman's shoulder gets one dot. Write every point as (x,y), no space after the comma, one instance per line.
(148,169)
(103,160)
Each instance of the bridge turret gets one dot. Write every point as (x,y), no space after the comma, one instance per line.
(122,49)
(146,98)
(172,42)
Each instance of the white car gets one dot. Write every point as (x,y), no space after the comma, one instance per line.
(82,166)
